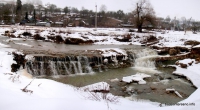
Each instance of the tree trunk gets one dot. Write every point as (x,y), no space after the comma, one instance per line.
(140,28)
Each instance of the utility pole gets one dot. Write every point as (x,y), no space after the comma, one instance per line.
(12,10)
(96,18)
(174,23)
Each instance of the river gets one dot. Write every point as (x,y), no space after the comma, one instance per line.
(154,90)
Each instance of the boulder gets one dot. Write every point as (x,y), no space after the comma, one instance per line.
(190,63)
(38,37)
(77,41)
(197,60)
(177,63)
(183,65)
(191,42)
(195,52)
(151,38)
(173,52)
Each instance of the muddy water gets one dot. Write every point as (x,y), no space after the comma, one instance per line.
(154,90)
(34,45)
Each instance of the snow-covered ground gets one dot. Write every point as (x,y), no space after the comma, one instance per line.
(104,35)
(46,94)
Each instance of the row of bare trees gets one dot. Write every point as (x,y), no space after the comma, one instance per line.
(142,16)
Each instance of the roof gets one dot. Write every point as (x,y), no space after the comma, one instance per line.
(127,25)
(115,19)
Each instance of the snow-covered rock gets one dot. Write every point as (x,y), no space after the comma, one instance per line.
(139,77)
(97,86)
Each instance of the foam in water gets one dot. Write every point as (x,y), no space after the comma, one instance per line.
(144,61)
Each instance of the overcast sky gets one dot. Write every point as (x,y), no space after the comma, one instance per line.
(163,8)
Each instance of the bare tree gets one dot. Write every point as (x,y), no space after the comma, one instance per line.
(144,12)
(195,27)
(52,8)
(103,8)
(66,10)
(168,19)
(185,23)
(27,8)
(5,13)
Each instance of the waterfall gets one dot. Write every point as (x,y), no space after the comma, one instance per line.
(79,65)
(66,69)
(74,67)
(48,65)
(144,60)
(65,65)
(100,60)
(53,68)
(41,68)
(88,68)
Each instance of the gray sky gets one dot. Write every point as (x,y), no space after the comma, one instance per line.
(163,8)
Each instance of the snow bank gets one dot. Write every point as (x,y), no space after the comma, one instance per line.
(192,72)
(175,38)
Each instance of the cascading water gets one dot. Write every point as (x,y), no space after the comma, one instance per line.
(88,68)
(141,59)
(144,60)
(73,65)
(42,68)
(79,65)
(59,66)
(53,67)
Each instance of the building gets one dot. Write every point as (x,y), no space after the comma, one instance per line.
(109,22)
